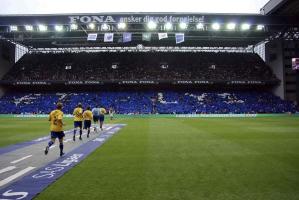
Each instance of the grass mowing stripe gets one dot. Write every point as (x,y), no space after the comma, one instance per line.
(238,158)
(16,130)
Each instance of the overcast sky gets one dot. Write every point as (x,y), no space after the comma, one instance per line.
(95,6)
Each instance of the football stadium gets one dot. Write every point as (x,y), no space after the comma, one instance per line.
(150,105)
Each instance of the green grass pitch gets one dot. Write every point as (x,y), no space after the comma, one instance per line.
(180,159)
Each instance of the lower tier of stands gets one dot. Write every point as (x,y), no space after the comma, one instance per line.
(163,102)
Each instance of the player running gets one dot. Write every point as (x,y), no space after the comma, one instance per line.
(111,113)
(87,116)
(102,117)
(56,128)
(96,115)
(78,118)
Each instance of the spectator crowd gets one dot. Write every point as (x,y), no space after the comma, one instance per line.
(140,66)
(163,102)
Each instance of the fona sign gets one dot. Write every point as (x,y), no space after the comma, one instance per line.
(89,19)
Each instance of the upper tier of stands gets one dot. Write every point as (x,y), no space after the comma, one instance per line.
(141,66)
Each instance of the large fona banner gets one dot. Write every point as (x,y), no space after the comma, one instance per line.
(94,18)
(137,18)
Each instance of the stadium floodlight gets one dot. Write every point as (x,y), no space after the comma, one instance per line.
(231,26)
(216,26)
(260,27)
(168,26)
(13,28)
(58,28)
(91,26)
(74,26)
(104,27)
(245,26)
(152,25)
(42,27)
(121,25)
(183,25)
(200,26)
(28,28)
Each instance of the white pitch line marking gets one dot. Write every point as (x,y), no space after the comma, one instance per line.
(110,127)
(98,140)
(67,140)
(16,175)
(19,160)
(7,169)
(41,139)
(52,146)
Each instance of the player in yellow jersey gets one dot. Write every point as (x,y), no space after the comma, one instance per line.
(87,116)
(78,118)
(102,117)
(56,128)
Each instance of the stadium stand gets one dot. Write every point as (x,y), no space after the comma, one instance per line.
(141,66)
(164,102)
(145,66)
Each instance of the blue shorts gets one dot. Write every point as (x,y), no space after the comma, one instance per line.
(78,124)
(87,124)
(58,135)
(101,118)
(95,118)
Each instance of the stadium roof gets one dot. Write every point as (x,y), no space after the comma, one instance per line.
(200,29)
(281,7)
(96,6)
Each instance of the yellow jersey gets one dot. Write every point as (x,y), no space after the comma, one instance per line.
(102,111)
(78,114)
(87,115)
(55,118)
